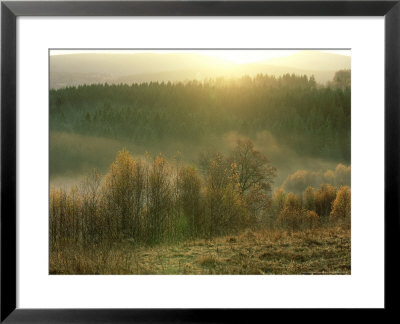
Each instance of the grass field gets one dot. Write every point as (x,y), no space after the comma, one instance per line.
(320,251)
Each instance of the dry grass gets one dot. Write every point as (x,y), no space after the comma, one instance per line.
(318,251)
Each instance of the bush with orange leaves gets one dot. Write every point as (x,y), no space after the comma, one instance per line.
(341,210)
(291,217)
(324,198)
(293,201)
(309,198)
(294,217)
(312,220)
(277,204)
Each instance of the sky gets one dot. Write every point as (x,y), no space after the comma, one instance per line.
(235,56)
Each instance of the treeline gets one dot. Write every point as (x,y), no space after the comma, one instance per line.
(328,205)
(298,181)
(151,200)
(310,118)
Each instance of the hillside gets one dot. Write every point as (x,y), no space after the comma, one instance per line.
(313,60)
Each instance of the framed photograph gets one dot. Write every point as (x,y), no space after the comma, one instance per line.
(190,161)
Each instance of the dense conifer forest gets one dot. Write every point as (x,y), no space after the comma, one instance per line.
(309,119)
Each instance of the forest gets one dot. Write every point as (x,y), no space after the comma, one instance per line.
(208,194)
(297,113)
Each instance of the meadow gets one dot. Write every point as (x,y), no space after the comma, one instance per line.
(257,252)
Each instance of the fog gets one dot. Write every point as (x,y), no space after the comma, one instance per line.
(73,155)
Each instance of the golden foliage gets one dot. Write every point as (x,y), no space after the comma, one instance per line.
(298,181)
(341,210)
(324,198)
(291,218)
(292,201)
(309,198)
(312,219)
(226,207)
(150,201)
(278,200)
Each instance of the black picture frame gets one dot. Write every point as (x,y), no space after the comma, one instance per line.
(10,10)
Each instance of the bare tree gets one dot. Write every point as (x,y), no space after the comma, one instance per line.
(253,167)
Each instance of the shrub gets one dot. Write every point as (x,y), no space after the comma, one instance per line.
(278,199)
(291,218)
(294,217)
(225,204)
(293,201)
(309,198)
(311,219)
(341,211)
(324,198)
(257,202)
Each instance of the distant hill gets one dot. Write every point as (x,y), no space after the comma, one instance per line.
(313,60)
(125,64)
(76,69)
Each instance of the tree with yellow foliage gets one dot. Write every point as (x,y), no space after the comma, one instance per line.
(309,198)
(123,193)
(341,210)
(324,198)
(312,219)
(278,201)
(292,216)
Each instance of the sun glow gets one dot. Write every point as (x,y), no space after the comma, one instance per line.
(236,56)
(248,56)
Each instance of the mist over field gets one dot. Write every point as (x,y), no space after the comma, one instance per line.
(159,147)
(74,155)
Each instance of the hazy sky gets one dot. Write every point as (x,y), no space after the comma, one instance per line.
(236,56)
